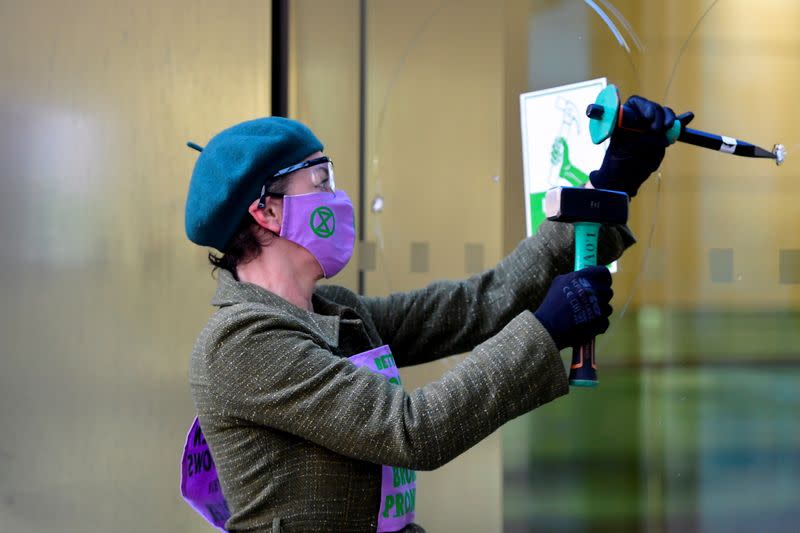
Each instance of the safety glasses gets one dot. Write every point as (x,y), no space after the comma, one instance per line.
(320,175)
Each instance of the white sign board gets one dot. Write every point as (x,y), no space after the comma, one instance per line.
(556,147)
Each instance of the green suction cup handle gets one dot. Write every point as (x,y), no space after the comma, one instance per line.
(603,114)
(674,131)
(604,117)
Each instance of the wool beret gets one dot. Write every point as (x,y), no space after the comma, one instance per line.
(231,169)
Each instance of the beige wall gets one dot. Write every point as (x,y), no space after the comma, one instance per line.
(103,296)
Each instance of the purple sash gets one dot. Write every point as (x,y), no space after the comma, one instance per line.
(200,483)
(398,485)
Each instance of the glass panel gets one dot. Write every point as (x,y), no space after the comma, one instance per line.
(696,411)
(413,165)
(102,294)
(695,414)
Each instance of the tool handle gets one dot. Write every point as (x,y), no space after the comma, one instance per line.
(583,370)
(625,123)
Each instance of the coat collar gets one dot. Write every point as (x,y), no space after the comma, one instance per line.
(324,320)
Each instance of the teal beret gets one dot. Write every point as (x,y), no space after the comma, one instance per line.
(231,169)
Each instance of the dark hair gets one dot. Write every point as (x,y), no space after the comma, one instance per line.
(248,240)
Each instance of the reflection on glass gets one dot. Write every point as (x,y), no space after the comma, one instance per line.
(694,426)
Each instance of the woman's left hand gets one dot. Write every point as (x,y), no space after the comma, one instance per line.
(633,155)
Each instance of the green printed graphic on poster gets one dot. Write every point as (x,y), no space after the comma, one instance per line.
(536,209)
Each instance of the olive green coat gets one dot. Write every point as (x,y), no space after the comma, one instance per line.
(298,433)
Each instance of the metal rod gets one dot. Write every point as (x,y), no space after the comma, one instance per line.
(362,139)
(723,144)
(280,58)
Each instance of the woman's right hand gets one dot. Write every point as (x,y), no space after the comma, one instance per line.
(576,307)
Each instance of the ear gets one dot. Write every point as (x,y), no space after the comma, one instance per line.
(269,217)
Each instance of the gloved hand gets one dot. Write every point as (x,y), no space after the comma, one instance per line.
(633,155)
(576,307)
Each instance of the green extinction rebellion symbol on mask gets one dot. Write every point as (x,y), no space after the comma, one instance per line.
(322,222)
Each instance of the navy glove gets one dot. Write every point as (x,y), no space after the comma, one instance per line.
(576,307)
(633,155)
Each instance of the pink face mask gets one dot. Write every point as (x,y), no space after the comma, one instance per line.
(322,223)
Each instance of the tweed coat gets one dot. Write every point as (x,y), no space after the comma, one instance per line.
(298,433)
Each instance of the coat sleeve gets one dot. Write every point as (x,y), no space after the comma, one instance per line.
(268,375)
(450,317)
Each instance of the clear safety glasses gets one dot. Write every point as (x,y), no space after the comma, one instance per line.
(320,175)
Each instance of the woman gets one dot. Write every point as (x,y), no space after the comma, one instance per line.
(295,384)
